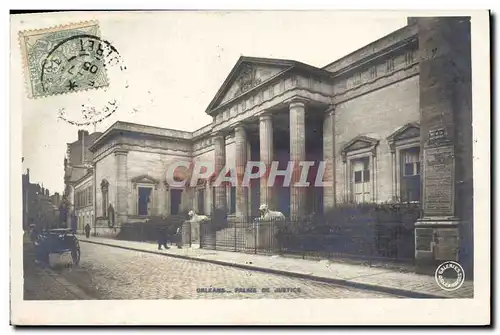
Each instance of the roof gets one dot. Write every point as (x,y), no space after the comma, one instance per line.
(121,126)
(286,65)
(372,49)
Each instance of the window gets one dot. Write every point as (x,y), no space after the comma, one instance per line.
(201,201)
(389,65)
(175,201)
(232,200)
(373,72)
(410,174)
(357,79)
(409,57)
(361,179)
(144,200)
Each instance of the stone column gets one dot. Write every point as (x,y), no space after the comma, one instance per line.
(297,154)
(240,139)
(445,230)
(220,162)
(121,209)
(266,157)
(329,158)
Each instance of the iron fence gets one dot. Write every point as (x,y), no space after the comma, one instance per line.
(368,235)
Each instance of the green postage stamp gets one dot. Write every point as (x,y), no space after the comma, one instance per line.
(65,59)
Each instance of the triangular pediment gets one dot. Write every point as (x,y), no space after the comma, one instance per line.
(144,179)
(409,130)
(248,73)
(358,143)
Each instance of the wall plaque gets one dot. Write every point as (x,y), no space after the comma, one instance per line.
(438,181)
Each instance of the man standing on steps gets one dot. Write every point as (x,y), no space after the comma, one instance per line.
(87,230)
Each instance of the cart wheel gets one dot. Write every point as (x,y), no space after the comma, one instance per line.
(75,253)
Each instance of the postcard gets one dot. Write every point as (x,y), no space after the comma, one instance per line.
(250,168)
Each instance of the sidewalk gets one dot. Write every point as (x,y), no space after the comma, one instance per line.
(358,276)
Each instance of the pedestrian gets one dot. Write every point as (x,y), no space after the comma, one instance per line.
(162,238)
(87,230)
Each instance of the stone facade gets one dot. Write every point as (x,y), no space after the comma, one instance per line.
(361,115)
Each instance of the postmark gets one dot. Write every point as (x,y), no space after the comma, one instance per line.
(450,276)
(65,59)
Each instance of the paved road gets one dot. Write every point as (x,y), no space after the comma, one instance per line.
(112,273)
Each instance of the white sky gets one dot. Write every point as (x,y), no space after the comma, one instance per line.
(176,62)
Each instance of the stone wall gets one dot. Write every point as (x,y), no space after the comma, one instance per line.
(377,115)
(105,169)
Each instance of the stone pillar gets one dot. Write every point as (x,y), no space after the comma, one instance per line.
(297,154)
(446,144)
(329,158)
(240,138)
(121,209)
(249,188)
(220,162)
(266,157)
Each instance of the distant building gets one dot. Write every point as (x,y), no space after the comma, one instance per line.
(78,181)
(38,207)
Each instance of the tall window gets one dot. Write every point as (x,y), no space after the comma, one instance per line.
(232,200)
(144,200)
(201,201)
(361,179)
(410,174)
(175,201)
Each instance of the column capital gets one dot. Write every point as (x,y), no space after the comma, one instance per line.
(265,116)
(239,126)
(219,134)
(297,102)
(121,152)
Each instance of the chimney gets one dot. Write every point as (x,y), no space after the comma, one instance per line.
(80,134)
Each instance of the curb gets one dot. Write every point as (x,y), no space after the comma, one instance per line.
(340,282)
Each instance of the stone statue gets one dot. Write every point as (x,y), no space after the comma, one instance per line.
(268,215)
(195,220)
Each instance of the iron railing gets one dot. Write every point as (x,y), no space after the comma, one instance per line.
(369,238)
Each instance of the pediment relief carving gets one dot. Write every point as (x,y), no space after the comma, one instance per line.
(247,76)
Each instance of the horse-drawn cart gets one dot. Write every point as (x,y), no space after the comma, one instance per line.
(57,241)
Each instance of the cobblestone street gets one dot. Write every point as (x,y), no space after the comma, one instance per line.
(113,273)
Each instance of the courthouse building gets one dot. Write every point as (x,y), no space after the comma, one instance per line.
(369,116)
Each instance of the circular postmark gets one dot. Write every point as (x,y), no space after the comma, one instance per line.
(80,63)
(449,276)
(77,63)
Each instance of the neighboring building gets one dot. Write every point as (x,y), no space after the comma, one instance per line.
(38,208)
(377,116)
(56,199)
(77,169)
(83,201)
